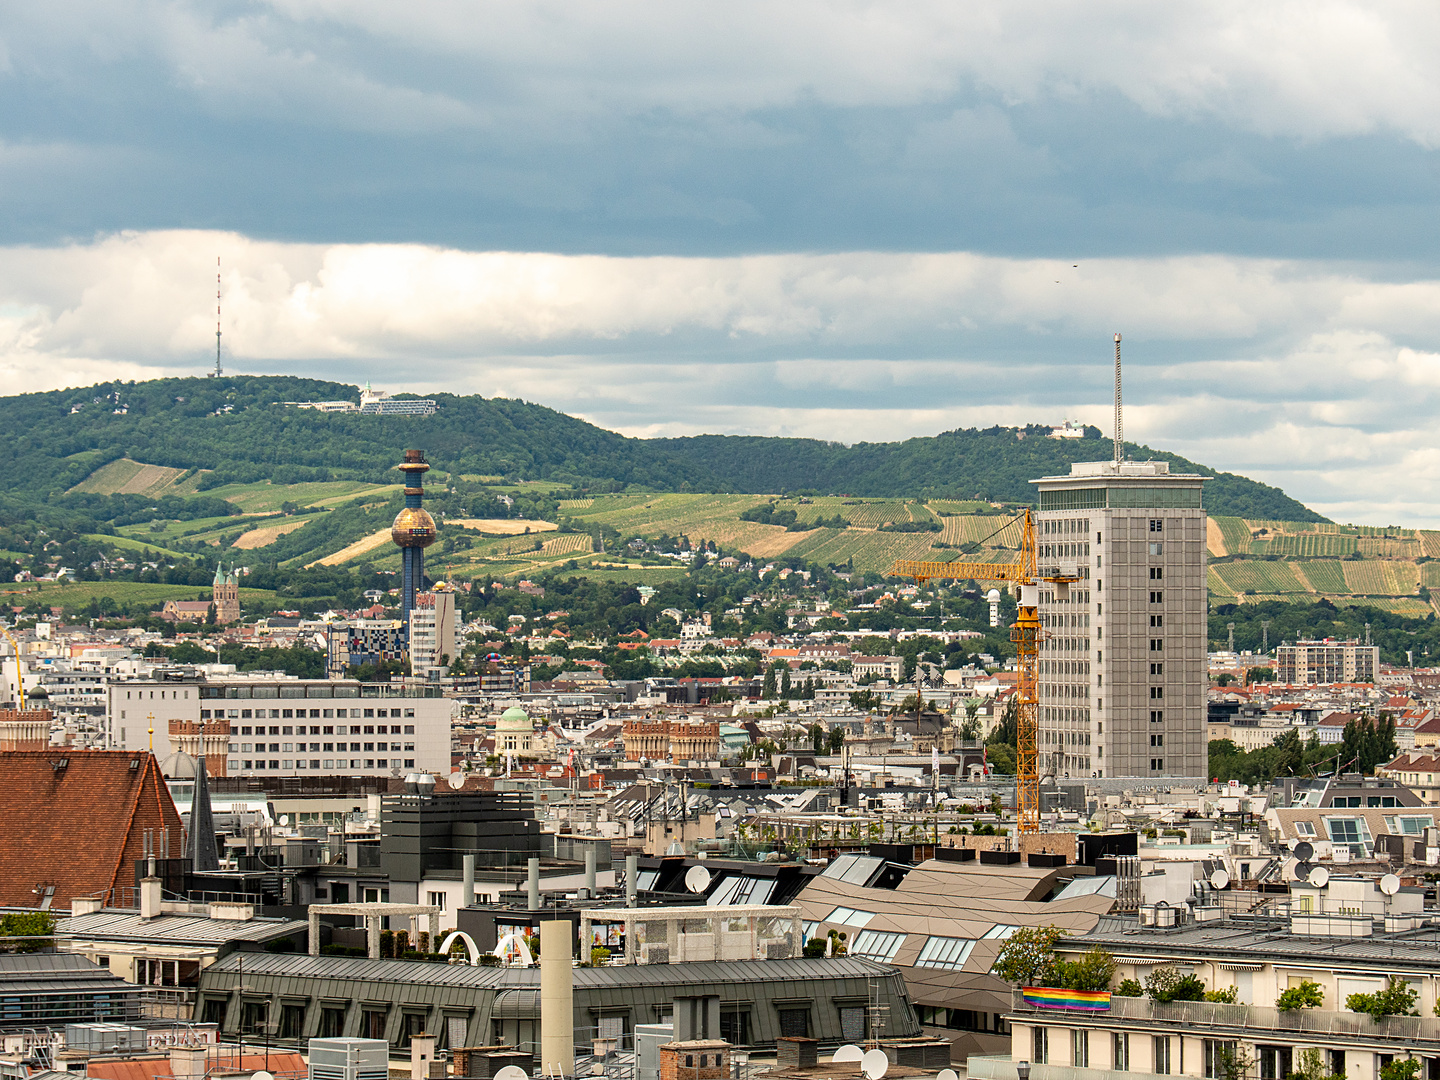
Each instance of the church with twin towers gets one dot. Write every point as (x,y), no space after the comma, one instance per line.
(1123,670)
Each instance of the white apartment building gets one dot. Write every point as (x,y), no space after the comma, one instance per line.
(432,631)
(286,727)
(1312,663)
(887,667)
(1123,670)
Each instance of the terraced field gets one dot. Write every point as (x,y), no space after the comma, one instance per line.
(1312,545)
(503,526)
(1218,585)
(1261,577)
(1236,534)
(134,545)
(1327,576)
(1409,606)
(570,543)
(1381,578)
(871,515)
(267,498)
(868,550)
(126,477)
(80,593)
(267,534)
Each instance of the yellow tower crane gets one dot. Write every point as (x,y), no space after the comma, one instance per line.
(1026,633)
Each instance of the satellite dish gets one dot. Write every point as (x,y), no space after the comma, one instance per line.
(1304,851)
(874,1064)
(456,780)
(697,879)
(1220,880)
(512,1072)
(947,1074)
(1319,877)
(1389,884)
(263,1075)
(1302,871)
(285,819)
(848,1052)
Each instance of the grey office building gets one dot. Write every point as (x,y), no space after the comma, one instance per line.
(1123,672)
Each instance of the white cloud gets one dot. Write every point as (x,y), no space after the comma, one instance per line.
(1294,68)
(1310,375)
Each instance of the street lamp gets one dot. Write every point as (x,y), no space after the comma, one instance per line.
(1022,1070)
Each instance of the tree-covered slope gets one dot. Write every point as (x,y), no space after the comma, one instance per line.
(240,428)
(996,464)
(241,431)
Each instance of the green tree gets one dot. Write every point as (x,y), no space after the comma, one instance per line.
(1129,988)
(1401,1069)
(1028,956)
(1092,971)
(1308,995)
(767,688)
(1165,984)
(1226,995)
(1397,999)
(35,925)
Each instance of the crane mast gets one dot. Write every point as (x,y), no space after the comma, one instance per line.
(1026,634)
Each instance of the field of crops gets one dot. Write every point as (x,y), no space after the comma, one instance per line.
(135,546)
(1383,547)
(1381,578)
(1218,586)
(1325,576)
(871,515)
(267,498)
(1260,577)
(1408,606)
(972,530)
(1311,545)
(80,593)
(576,504)
(126,477)
(957,506)
(869,550)
(569,543)
(1236,534)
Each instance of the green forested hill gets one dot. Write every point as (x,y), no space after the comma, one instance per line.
(238,431)
(995,464)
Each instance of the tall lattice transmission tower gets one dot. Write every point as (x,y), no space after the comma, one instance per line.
(219,371)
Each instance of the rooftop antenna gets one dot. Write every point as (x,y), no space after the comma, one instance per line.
(1119,426)
(219,371)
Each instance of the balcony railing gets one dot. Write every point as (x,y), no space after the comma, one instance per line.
(1001,1067)
(1263,1022)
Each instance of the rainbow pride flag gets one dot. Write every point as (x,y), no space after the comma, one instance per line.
(1054,997)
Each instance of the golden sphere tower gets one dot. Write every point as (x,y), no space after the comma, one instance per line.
(413,530)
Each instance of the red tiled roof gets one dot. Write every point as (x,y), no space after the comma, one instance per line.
(79,828)
(152,1068)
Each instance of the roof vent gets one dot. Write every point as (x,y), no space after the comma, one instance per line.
(60,764)
(134,764)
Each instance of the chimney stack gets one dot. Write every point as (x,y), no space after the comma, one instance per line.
(557,999)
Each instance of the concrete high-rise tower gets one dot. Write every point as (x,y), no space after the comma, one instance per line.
(1123,670)
(413,531)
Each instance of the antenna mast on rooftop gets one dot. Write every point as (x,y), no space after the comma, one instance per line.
(1119,426)
(220,371)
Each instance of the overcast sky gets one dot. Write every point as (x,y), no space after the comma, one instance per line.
(845,221)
